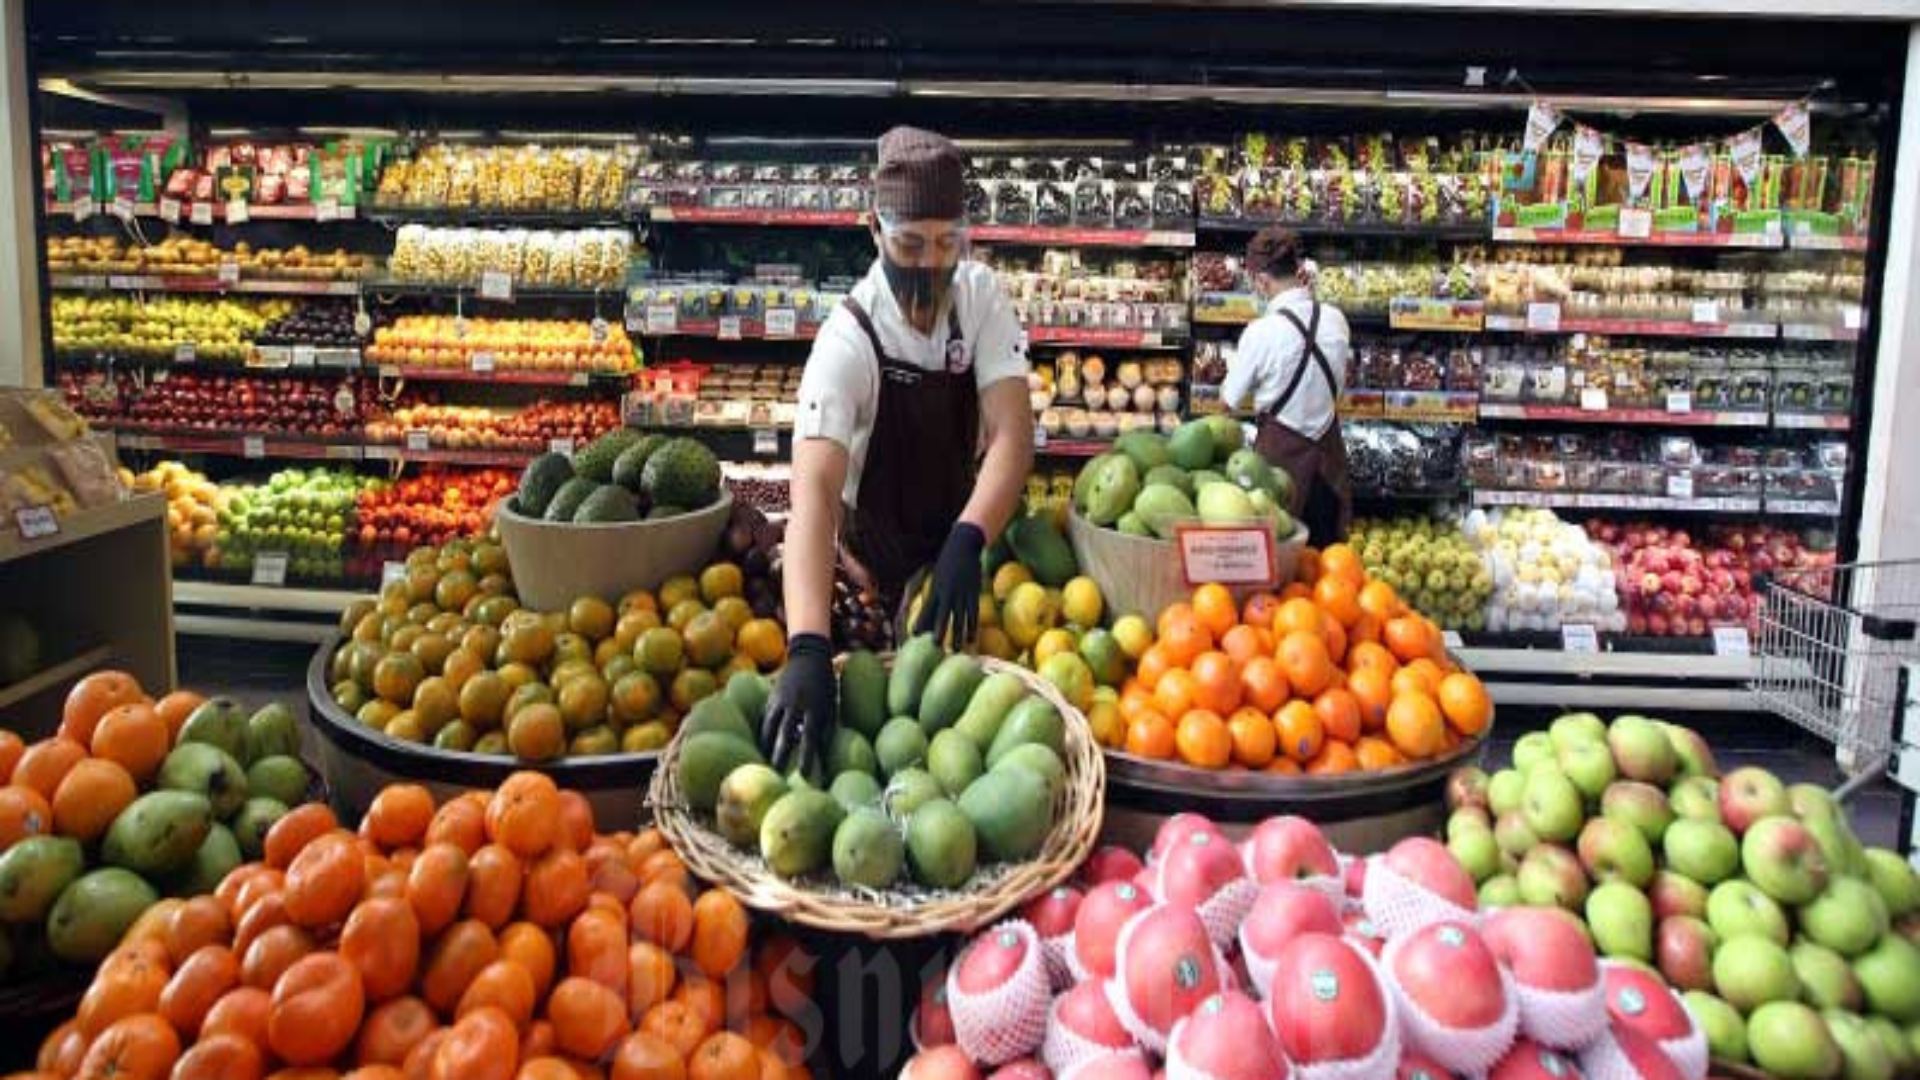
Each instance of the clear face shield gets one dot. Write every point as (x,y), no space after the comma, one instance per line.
(920,260)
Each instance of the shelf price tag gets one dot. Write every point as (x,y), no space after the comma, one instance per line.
(1230,555)
(229,272)
(766,442)
(36,522)
(1706,311)
(391,572)
(201,214)
(418,440)
(560,446)
(184,353)
(1850,316)
(326,210)
(303,356)
(782,322)
(84,208)
(663,318)
(253,447)
(1543,318)
(481,361)
(122,208)
(1451,639)
(597,330)
(1593,399)
(1579,638)
(1680,485)
(729,329)
(170,210)
(238,213)
(1679,402)
(1731,641)
(270,568)
(496,285)
(1039,437)
(1635,224)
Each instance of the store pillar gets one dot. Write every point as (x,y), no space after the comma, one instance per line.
(20,364)
(1890,502)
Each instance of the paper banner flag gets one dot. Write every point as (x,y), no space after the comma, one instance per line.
(1542,118)
(1639,169)
(1795,123)
(1694,167)
(1745,148)
(1588,146)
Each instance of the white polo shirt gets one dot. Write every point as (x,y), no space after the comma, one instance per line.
(840,390)
(1269,351)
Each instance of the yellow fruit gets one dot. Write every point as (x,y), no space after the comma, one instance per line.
(734,611)
(643,738)
(709,640)
(1081,603)
(1007,578)
(1109,727)
(518,675)
(676,589)
(989,611)
(721,580)
(583,702)
(1133,634)
(685,612)
(1026,615)
(691,686)
(1070,675)
(1054,641)
(763,642)
(435,703)
(632,625)
(659,651)
(995,643)
(591,618)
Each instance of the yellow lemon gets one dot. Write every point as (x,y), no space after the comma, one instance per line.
(995,643)
(1133,634)
(1054,641)
(1080,602)
(1026,614)
(1070,675)
(1007,577)
(1109,727)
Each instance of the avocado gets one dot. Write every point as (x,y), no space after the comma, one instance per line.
(540,482)
(627,467)
(597,460)
(608,504)
(567,500)
(681,472)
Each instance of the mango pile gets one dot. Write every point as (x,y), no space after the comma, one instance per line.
(937,768)
(1150,483)
(131,798)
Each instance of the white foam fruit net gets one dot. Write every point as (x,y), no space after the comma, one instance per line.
(1062,1049)
(1563,1019)
(1398,906)
(1103,1067)
(1146,1034)
(1468,1051)
(1009,1021)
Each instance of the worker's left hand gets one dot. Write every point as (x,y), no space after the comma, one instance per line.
(952,608)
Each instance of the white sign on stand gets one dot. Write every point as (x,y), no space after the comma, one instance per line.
(1543,318)
(1732,641)
(1679,402)
(418,440)
(496,285)
(36,522)
(253,447)
(766,442)
(481,361)
(201,214)
(391,572)
(729,328)
(782,322)
(170,210)
(560,446)
(238,212)
(1579,638)
(1635,223)
(270,568)
(1229,555)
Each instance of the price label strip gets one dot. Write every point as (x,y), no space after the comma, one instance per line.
(662,319)
(1543,318)
(270,568)
(1579,638)
(729,329)
(782,322)
(36,522)
(1732,641)
(766,442)
(560,446)
(253,446)
(1228,555)
(481,362)
(496,285)
(419,440)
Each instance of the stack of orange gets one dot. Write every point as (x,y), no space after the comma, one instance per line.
(1334,674)
(493,937)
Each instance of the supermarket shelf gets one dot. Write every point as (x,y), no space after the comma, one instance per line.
(728,215)
(731,328)
(1465,231)
(472,291)
(288,598)
(84,525)
(174,283)
(1819,332)
(479,216)
(1570,414)
(1507,235)
(1671,328)
(1095,338)
(1813,421)
(274,360)
(258,612)
(1070,236)
(499,377)
(255,447)
(1815,242)
(1828,508)
(1598,500)
(187,211)
(49,677)
(734,443)
(1411,406)
(436,455)
(1071,448)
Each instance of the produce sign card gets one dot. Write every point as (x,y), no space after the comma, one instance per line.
(1227,554)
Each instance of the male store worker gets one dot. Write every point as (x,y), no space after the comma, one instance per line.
(913,438)
(1289,367)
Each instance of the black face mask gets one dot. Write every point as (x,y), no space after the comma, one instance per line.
(917,288)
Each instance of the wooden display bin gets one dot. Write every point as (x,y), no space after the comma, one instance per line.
(99,591)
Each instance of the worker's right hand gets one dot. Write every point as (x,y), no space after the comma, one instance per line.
(801,716)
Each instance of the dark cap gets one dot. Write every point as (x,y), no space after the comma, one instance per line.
(919,176)
(1274,251)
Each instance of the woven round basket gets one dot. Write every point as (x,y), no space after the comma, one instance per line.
(905,910)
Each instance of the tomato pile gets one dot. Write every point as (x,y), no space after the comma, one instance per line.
(431,507)
(491,937)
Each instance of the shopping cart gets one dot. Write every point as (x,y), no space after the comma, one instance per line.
(1830,646)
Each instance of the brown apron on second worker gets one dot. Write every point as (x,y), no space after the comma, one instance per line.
(1322,492)
(920,461)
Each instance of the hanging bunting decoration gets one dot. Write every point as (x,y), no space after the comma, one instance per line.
(1639,170)
(1796,124)
(1542,119)
(1745,148)
(1694,167)
(1588,147)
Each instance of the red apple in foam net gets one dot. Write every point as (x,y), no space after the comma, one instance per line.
(1110,863)
(1528,1060)
(1024,1069)
(1197,868)
(1283,911)
(1051,914)
(990,962)
(1283,848)
(1167,966)
(1642,1057)
(1096,926)
(941,1063)
(1448,972)
(1355,877)
(1429,864)
(1125,1065)
(1325,1004)
(1640,1000)
(1226,1038)
(1085,1013)
(1543,947)
(1357,928)
(1418,1066)
(1176,829)
(932,1020)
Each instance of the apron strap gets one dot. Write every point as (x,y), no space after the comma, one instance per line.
(880,353)
(1310,350)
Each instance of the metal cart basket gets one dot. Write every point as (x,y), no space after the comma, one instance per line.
(1829,646)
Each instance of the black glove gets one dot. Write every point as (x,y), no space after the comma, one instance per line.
(801,716)
(953,600)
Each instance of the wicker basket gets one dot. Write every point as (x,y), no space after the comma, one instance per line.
(909,911)
(1141,575)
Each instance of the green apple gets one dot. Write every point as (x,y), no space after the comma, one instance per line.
(1895,1041)
(1477,853)
(1784,860)
(1677,894)
(1504,791)
(1552,805)
(1691,752)
(1826,980)
(1894,878)
(1570,728)
(1641,805)
(1695,797)
(1751,971)
(1890,975)
(1848,917)
(1588,764)
(1737,909)
(1468,819)
(1551,876)
(1865,1056)
(1791,1042)
(1622,921)
(1613,850)
(1726,1032)
(1705,851)
(1641,750)
(1533,748)
(1500,890)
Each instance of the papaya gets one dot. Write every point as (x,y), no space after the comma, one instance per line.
(1040,547)
(913,665)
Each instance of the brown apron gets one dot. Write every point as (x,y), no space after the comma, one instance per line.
(1322,493)
(920,461)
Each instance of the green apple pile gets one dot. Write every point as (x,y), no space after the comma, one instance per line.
(300,512)
(1793,944)
(1430,563)
(1149,484)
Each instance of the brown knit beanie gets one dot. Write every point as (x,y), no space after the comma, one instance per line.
(1274,251)
(919,176)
